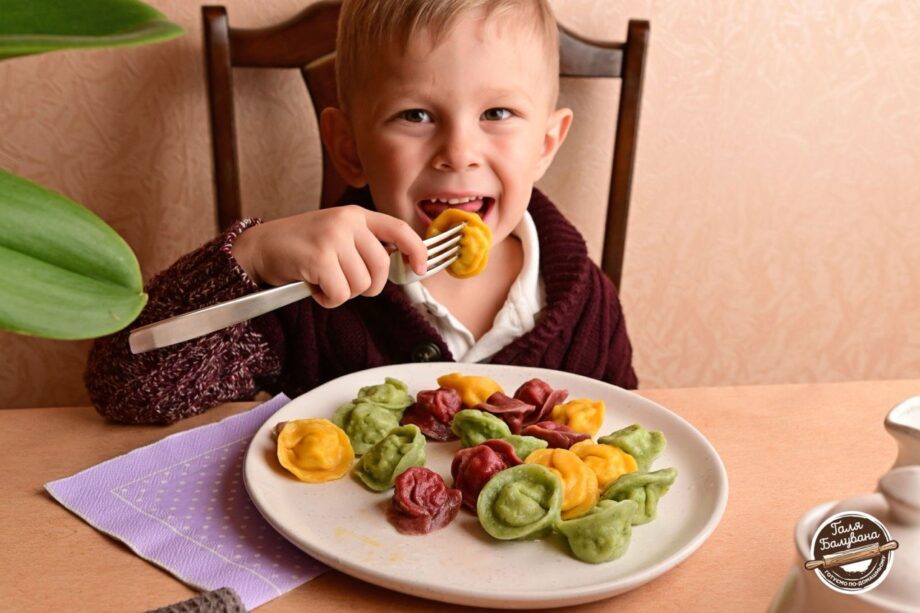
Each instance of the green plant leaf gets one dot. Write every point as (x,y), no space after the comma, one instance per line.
(64,273)
(37,26)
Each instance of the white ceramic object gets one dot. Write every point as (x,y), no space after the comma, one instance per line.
(344,525)
(903,423)
(897,506)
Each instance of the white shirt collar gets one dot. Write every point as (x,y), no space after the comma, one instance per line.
(526,298)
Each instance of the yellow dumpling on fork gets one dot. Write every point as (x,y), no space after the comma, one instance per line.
(474,244)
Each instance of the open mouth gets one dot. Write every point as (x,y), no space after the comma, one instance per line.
(430,209)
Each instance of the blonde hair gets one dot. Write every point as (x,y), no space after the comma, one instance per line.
(368,26)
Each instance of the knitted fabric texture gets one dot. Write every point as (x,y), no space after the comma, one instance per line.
(303,345)
(223,600)
(166,385)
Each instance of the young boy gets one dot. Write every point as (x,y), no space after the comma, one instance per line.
(443,103)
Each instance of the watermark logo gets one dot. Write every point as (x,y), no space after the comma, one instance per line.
(852,552)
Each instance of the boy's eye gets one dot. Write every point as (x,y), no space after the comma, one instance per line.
(415,116)
(496,114)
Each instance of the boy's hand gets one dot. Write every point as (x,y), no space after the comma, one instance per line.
(338,251)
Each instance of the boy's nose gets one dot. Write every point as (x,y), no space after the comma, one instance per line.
(459,150)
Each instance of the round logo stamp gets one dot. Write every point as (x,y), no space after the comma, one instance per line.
(852,552)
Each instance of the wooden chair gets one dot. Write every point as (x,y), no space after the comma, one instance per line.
(307,42)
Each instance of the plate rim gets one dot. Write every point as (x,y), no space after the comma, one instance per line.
(507,599)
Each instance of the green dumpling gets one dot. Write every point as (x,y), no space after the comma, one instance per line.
(603,534)
(393,394)
(638,442)
(476,427)
(525,445)
(401,449)
(645,489)
(365,423)
(521,502)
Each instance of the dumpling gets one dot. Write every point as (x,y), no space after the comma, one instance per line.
(607,462)
(558,436)
(474,466)
(393,394)
(580,482)
(603,534)
(365,423)
(638,442)
(525,445)
(522,502)
(314,450)
(475,427)
(645,489)
(540,394)
(475,242)
(510,410)
(472,389)
(422,502)
(433,412)
(398,451)
(581,415)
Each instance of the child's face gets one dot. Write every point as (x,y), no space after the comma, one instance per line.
(470,119)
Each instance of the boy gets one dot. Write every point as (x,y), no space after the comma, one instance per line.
(443,103)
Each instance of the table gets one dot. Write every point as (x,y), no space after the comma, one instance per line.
(786,449)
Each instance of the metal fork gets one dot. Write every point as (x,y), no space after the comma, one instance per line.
(442,252)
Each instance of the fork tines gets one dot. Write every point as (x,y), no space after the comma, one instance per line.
(443,248)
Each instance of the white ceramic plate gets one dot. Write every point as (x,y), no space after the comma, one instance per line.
(344,525)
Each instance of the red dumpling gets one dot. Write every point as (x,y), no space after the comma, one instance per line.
(540,394)
(558,436)
(474,466)
(433,413)
(510,410)
(422,502)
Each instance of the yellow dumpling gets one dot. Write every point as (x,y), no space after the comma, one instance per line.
(581,415)
(474,244)
(472,390)
(314,450)
(578,480)
(609,463)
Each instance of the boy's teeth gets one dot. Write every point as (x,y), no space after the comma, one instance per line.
(436,206)
(456,200)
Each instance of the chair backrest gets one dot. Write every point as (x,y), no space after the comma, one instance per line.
(307,42)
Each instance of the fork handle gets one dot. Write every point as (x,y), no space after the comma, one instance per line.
(216,317)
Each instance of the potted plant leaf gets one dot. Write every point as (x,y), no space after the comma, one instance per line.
(64,273)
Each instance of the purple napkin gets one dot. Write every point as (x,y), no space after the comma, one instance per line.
(181,504)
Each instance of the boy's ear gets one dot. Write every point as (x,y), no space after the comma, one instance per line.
(557,128)
(339,140)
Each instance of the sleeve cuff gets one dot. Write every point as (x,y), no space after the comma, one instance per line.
(208,275)
(229,237)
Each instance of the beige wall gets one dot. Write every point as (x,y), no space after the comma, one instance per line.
(775,229)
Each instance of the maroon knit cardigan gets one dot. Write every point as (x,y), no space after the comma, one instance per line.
(296,348)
